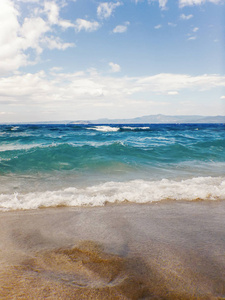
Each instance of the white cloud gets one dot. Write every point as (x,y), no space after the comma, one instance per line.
(33,29)
(172,93)
(172,24)
(65,24)
(192,38)
(121,28)
(56,43)
(114,67)
(56,69)
(191,35)
(183,3)
(82,24)
(27,1)
(158,26)
(195,29)
(167,82)
(73,95)
(6,113)
(52,11)
(162,3)
(186,17)
(11,54)
(222,97)
(34,32)
(22,34)
(38,87)
(105,9)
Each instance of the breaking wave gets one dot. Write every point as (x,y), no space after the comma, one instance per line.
(135,191)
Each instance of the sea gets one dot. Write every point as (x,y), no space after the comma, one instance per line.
(94,165)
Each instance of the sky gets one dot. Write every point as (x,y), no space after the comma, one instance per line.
(90,59)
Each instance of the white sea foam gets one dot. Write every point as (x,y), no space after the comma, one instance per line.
(15,128)
(14,147)
(105,128)
(137,191)
(135,128)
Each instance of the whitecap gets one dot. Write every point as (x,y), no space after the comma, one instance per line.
(105,128)
(135,128)
(15,128)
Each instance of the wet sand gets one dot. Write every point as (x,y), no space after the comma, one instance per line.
(170,250)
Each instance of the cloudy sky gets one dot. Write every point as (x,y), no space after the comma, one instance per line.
(87,59)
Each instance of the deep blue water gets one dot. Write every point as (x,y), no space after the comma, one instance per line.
(40,159)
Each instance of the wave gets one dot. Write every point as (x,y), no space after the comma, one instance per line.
(15,147)
(98,155)
(64,157)
(15,128)
(116,128)
(136,191)
(105,128)
(134,128)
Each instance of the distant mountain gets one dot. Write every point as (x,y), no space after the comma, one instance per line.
(157,119)
(150,119)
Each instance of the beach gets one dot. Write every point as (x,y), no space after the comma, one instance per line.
(112,150)
(165,250)
(112,212)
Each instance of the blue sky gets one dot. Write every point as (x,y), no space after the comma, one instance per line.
(88,59)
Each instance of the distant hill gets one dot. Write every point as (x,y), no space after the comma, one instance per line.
(150,119)
(157,119)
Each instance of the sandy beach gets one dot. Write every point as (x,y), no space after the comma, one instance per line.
(172,250)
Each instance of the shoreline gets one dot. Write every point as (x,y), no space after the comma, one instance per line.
(163,250)
(109,204)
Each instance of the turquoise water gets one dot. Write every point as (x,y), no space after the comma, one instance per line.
(49,165)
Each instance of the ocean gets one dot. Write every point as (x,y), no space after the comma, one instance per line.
(163,237)
(92,165)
